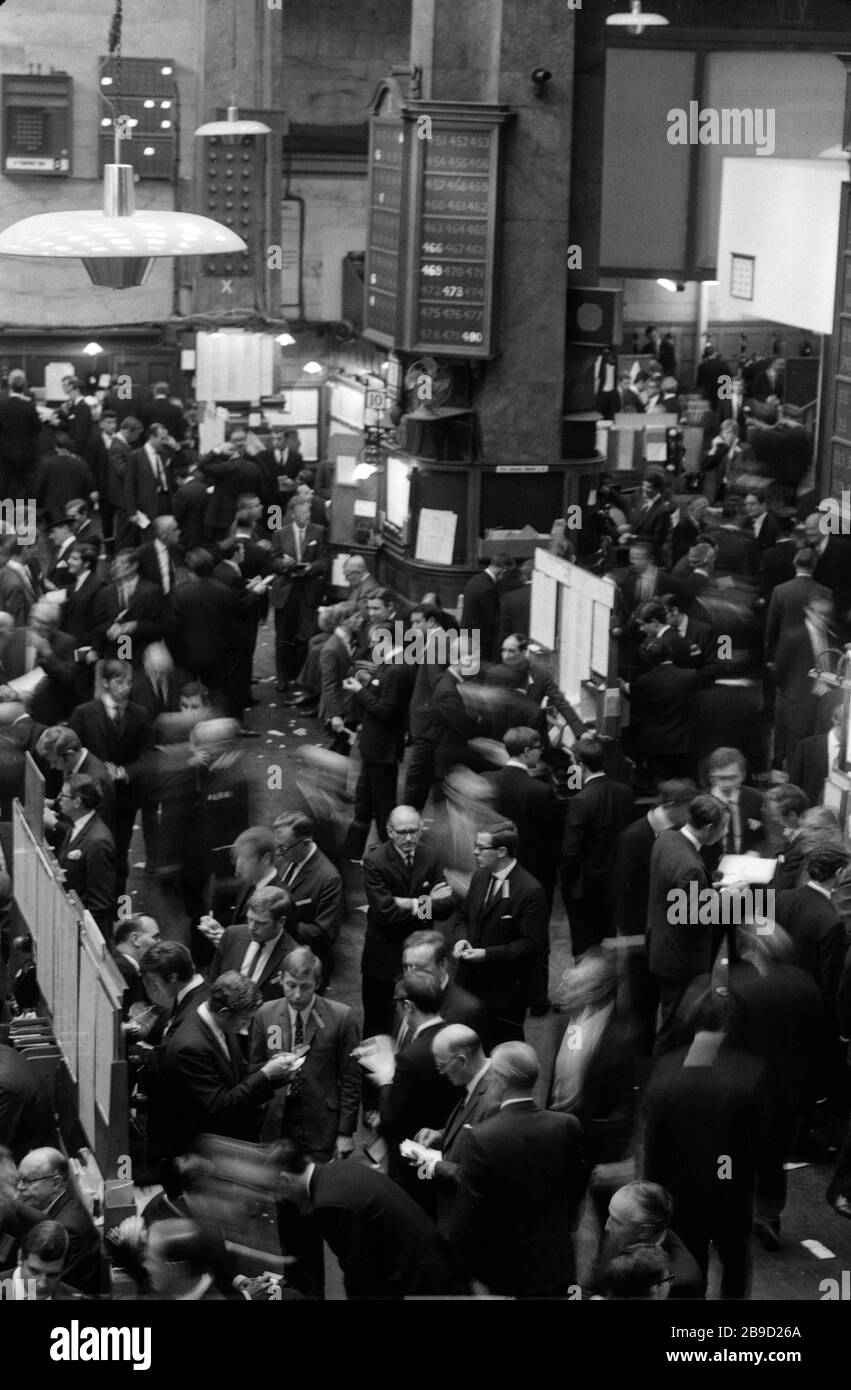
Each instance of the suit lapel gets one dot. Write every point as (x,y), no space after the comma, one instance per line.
(274,962)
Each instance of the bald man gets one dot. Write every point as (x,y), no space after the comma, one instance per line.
(520,1184)
(45,1190)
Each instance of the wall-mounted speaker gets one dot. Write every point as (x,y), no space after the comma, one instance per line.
(594,317)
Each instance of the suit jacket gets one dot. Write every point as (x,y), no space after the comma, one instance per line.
(384,705)
(149,565)
(736,553)
(386,1245)
(794,658)
(537,686)
(385,877)
(531,803)
(189,507)
(26,1116)
(652,525)
(161,411)
(307,586)
(677,951)
(197,621)
(330,1080)
(142,693)
(231,952)
(469,1111)
(145,609)
(606,1105)
(122,744)
(244,608)
(659,702)
(53,699)
(63,1293)
(808,767)
(79,613)
(627,595)
(786,608)
(833,569)
(630,882)
(57,571)
(818,934)
(695,1113)
(15,596)
(513,931)
(515,611)
(131,975)
(20,430)
(207,1092)
(116,473)
(729,716)
(418,1097)
(480,612)
(317,892)
(231,476)
(89,865)
(84,1261)
(595,818)
(423,722)
(778,564)
(520,1185)
(459,1006)
(141,488)
(335,663)
(769,533)
(61,477)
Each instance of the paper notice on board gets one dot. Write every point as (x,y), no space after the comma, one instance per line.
(363,507)
(542,622)
(600,641)
(436,536)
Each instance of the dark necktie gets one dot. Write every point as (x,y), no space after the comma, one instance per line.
(298,1039)
(493,888)
(409,862)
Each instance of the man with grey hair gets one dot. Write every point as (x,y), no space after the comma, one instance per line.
(521,1181)
(40,646)
(361,583)
(45,1190)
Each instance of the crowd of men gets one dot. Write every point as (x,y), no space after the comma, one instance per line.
(444,1132)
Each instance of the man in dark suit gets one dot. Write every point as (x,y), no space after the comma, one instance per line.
(157,685)
(481,606)
(706,1105)
(459,1057)
(423,724)
(382,697)
(131,938)
(299,558)
(814,758)
(763,525)
(61,750)
(41,1260)
(404,885)
(697,636)
(516,605)
(41,646)
(412,1093)
(61,536)
(189,505)
(587,1058)
(736,549)
(729,712)
(519,671)
(639,1213)
(501,935)
(530,802)
(162,411)
(245,606)
(18,591)
(26,1118)
(816,929)
(121,445)
(660,701)
(833,566)
(20,432)
(799,645)
(79,610)
(679,947)
(128,607)
(256,948)
(726,769)
(652,519)
(147,481)
(319,1106)
(207,1087)
(595,817)
(385,1243)
(87,855)
(232,472)
(651,620)
(197,623)
(314,883)
(457,719)
(521,1180)
(172,982)
(76,416)
(789,600)
(117,732)
(158,556)
(428,953)
(642,583)
(45,1191)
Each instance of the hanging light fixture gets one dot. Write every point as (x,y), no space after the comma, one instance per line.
(313,368)
(93,349)
(118,245)
(233,127)
(285,340)
(636,21)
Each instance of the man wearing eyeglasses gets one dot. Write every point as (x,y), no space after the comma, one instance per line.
(405,886)
(45,1190)
(502,932)
(315,885)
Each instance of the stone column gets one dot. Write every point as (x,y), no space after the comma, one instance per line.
(486,50)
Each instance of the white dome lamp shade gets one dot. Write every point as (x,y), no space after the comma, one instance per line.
(118,245)
(636,21)
(233,127)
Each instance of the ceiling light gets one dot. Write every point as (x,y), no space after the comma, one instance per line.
(92,349)
(233,128)
(106,82)
(636,21)
(149,105)
(166,72)
(312,368)
(668,285)
(118,245)
(285,339)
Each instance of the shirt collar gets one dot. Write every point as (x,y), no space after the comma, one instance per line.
(79,826)
(516,762)
(820,888)
(515,1100)
(471,1085)
(192,984)
(505,871)
(691,837)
